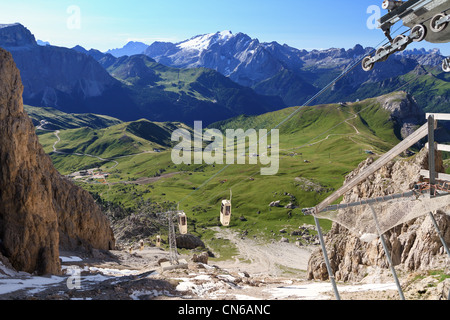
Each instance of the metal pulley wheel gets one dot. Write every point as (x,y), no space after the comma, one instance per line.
(391,4)
(397,39)
(382,50)
(433,23)
(367,65)
(421,32)
(446,65)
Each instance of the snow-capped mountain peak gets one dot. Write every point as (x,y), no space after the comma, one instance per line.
(225,35)
(204,42)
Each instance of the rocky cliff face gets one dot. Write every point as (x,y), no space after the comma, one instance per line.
(414,245)
(15,35)
(40,211)
(48,70)
(405,112)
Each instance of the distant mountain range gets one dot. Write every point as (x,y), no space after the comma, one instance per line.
(295,75)
(245,60)
(77,81)
(63,78)
(211,77)
(130,49)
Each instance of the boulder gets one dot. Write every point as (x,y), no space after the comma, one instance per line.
(202,258)
(189,241)
(290,205)
(275,203)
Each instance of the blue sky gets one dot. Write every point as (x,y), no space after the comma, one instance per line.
(110,24)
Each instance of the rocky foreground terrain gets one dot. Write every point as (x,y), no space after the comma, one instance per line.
(137,275)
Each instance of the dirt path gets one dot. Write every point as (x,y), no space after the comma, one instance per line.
(271,259)
(142,181)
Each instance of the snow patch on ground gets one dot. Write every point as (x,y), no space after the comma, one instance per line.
(70,259)
(205,287)
(114,272)
(35,284)
(321,291)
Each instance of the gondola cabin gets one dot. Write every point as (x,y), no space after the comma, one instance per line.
(182,222)
(225,213)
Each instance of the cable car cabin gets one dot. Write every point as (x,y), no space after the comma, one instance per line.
(182,222)
(225,213)
(158,241)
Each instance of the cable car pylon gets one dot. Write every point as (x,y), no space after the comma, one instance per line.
(174,262)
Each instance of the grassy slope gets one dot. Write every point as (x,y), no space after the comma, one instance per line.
(194,89)
(119,140)
(151,74)
(61,120)
(431,90)
(324,135)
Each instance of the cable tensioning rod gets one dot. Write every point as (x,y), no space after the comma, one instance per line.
(327,261)
(388,256)
(410,194)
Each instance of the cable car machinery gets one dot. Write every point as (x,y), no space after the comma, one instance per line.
(427,19)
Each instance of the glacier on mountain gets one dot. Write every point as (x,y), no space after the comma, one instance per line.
(204,42)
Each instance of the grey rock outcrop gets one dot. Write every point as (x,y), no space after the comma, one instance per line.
(275,203)
(201,258)
(405,112)
(40,211)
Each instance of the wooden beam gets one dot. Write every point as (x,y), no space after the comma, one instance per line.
(439,116)
(441,147)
